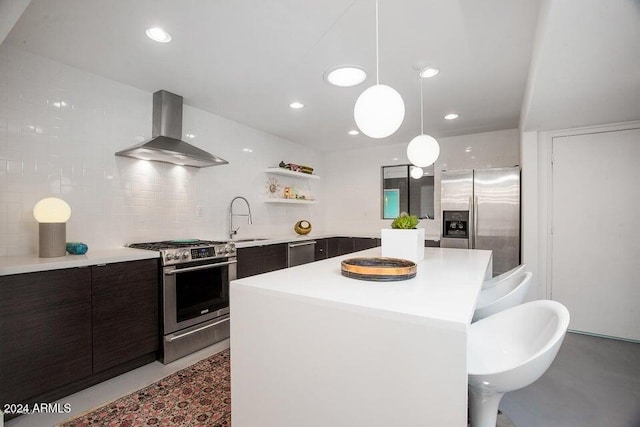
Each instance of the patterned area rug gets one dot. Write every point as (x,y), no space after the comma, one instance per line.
(199,395)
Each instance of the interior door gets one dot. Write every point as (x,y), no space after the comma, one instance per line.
(595,264)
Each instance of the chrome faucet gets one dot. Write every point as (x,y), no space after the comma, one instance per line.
(233,232)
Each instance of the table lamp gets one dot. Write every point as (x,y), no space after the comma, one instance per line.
(52,215)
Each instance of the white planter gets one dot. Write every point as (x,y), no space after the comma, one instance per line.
(405,244)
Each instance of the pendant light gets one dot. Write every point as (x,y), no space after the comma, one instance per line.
(379,110)
(423,150)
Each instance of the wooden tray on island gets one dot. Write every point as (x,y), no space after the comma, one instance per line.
(378,269)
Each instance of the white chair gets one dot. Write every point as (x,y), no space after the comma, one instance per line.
(505,294)
(489,283)
(510,350)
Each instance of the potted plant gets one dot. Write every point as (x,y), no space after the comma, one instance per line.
(403,240)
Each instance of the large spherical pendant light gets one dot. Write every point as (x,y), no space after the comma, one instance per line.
(423,150)
(379,110)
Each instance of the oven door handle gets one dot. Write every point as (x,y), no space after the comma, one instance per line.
(177,337)
(201,267)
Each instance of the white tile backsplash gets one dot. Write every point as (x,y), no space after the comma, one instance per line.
(59,130)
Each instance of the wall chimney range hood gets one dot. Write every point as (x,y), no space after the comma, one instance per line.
(166,144)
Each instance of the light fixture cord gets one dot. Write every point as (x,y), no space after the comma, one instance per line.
(377,61)
(421,110)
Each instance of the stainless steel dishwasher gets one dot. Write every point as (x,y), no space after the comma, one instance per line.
(301,253)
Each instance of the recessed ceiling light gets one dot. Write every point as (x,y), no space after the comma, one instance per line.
(451,116)
(159,35)
(247,150)
(296,105)
(428,72)
(346,76)
(190,135)
(354,132)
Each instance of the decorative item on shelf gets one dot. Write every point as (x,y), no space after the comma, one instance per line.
(403,239)
(77,248)
(296,168)
(302,227)
(287,193)
(52,215)
(273,187)
(378,269)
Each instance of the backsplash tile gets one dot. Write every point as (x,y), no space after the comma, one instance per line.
(59,130)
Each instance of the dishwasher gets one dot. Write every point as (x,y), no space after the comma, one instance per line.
(301,253)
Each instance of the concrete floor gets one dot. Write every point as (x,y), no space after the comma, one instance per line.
(593,382)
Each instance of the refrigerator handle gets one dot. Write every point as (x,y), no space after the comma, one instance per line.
(472,228)
(475,220)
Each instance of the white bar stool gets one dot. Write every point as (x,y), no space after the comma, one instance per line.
(503,295)
(510,350)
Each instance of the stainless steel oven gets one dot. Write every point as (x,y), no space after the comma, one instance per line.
(195,294)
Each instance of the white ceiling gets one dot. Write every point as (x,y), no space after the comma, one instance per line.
(586,65)
(246,60)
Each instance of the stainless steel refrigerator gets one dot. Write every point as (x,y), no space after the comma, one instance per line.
(481,210)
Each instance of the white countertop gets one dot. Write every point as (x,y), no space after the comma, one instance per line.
(446,285)
(32,263)
(272,240)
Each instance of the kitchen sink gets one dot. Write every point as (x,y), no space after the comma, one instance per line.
(245,240)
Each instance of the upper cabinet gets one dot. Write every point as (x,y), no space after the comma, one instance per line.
(287,190)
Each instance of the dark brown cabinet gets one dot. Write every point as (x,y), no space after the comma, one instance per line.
(362,243)
(45,331)
(261,259)
(274,257)
(321,249)
(65,330)
(340,246)
(249,261)
(125,312)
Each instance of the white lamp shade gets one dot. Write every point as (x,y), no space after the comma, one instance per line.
(379,111)
(416,172)
(52,210)
(423,150)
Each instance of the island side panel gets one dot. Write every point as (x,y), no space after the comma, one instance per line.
(298,361)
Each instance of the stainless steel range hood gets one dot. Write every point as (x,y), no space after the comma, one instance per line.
(165,144)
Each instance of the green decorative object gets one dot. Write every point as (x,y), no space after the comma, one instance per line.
(405,221)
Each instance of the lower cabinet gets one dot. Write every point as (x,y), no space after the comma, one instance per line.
(45,332)
(125,312)
(65,330)
(261,259)
(321,249)
(362,243)
(274,257)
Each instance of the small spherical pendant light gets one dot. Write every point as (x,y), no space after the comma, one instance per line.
(416,172)
(423,150)
(379,110)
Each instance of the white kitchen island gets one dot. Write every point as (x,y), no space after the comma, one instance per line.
(312,348)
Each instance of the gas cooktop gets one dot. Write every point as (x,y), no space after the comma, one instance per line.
(188,250)
(175,244)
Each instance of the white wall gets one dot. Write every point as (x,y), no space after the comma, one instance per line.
(67,150)
(354,177)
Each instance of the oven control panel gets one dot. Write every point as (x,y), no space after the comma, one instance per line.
(183,255)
